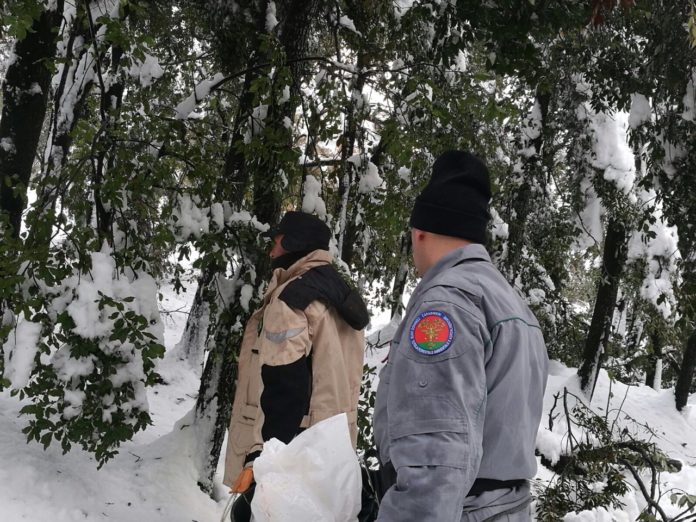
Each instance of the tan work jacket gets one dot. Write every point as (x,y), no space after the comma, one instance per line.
(278,335)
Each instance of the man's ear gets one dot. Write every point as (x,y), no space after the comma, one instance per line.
(419,235)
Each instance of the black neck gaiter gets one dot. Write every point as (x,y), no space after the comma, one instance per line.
(287,260)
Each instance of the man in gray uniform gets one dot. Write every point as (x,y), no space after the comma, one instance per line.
(460,398)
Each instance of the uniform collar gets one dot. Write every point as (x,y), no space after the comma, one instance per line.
(472,252)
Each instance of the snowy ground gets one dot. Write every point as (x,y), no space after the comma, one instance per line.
(152,479)
(647,414)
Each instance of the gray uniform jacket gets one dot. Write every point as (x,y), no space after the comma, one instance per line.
(461,395)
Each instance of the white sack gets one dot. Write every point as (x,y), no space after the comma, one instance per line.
(316,477)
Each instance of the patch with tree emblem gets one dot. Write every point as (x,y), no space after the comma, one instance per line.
(432,332)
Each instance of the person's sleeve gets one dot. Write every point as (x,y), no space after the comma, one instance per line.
(286,378)
(436,409)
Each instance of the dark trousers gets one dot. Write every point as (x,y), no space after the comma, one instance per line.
(375,483)
(241,507)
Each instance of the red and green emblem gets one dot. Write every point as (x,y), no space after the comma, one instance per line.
(432,333)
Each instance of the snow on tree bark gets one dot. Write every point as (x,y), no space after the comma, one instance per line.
(613,260)
(265,173)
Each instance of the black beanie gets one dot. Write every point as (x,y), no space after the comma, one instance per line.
(455,200)
(302,232)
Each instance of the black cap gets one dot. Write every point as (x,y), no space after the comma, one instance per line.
(455,200)
(301,232)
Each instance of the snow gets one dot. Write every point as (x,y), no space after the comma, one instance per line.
(82,296)
(590,219)
(201,91)
(7,145)
(640,111)
(217,215)
(188,219)
(154,479)
(35,88)
(532,123)
(271,20)
(646,413)
(612,154)
(602,515)
(284,99)
(146,71)
(151,479)
(499,229)
(87,316)
(402,6)
(79,75)
(246,218)
(257,121)
(661,255)
(404,174)
(673,152)
(20,351)
(461,62)
(346,22)
(370,179)
(312,201)
(245,295)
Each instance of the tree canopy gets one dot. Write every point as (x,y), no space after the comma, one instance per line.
(138,134)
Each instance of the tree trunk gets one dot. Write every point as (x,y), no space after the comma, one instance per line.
(354,226)
(191,346)
(397,294)
(523,202)
(686,375)
(635,331)
(74,84)
(104,163)
(347,233)
(613,260)
(24,100)
(232,186)
(653,376)
(25,95)
(214,404)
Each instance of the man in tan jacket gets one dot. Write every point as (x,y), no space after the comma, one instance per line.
(301,357)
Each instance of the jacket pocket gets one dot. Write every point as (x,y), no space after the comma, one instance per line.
(426,414)
(253,391)
(242,436)
(428,430)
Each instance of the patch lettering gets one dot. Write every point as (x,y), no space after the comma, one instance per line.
(432,332)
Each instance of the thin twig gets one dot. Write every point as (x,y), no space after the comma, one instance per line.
(96,55)
(567,414)
(556,396)
(651,502)
(606,411)
(619,411)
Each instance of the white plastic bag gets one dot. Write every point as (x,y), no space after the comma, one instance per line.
(316,477)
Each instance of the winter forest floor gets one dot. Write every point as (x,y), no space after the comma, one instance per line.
(152,478)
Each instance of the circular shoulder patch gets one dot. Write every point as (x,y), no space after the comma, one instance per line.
(432,332)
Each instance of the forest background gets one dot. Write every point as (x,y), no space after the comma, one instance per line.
(136,135)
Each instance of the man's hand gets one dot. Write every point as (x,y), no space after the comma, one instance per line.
(243,481)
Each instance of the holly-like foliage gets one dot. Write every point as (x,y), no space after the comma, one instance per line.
(601,464)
